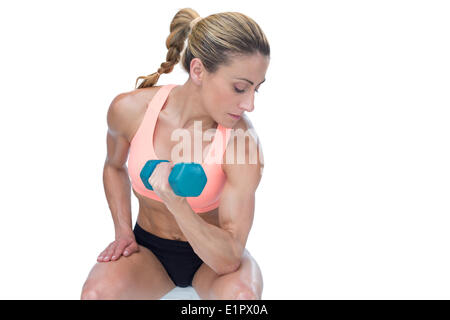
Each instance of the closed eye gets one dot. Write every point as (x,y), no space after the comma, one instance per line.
(241,91)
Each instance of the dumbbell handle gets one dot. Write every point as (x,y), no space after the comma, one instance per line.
(186,179)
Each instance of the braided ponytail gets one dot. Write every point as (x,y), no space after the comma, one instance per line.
(180,27)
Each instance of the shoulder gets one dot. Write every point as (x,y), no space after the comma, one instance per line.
(243,144)
(243,155)
(127,109)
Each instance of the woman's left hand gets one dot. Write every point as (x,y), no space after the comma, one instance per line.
(159,180)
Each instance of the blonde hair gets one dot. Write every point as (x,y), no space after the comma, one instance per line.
(214,39)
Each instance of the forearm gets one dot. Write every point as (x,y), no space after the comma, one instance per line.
(118,194)
(215,246)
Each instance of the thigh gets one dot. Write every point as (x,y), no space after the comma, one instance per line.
(245,281)
(138,276)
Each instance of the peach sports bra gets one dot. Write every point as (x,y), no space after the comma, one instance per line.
(141,150)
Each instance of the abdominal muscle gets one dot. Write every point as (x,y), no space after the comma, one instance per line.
(155,218)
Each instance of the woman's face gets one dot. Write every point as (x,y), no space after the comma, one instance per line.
(231,89)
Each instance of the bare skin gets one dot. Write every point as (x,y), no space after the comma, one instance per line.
(126,270)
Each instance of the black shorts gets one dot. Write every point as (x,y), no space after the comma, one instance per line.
(177,257)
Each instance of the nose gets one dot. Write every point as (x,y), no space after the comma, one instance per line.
(249,104)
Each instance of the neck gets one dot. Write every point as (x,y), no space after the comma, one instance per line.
(190,107)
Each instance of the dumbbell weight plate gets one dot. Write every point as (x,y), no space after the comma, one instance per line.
(193,177)
(147,171)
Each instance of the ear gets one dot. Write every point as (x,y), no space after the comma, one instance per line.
(196,70)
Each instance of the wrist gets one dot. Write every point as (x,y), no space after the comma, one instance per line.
(177,205)
(123,230)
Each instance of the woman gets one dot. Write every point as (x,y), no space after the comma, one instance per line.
(178,241)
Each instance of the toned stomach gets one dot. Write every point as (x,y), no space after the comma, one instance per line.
(155,218)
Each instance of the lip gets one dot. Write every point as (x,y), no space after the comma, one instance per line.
(234,116)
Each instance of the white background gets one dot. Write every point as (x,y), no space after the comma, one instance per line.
(353,118)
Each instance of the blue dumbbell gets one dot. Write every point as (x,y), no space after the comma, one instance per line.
(187,179)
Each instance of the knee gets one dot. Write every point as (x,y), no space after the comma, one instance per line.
(90,294)
(246,292)
(238,290)
(95,290)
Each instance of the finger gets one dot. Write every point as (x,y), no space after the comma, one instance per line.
(104,252)
(100,256)
(119,249)
(110,251)
(133,247)
(128,250)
